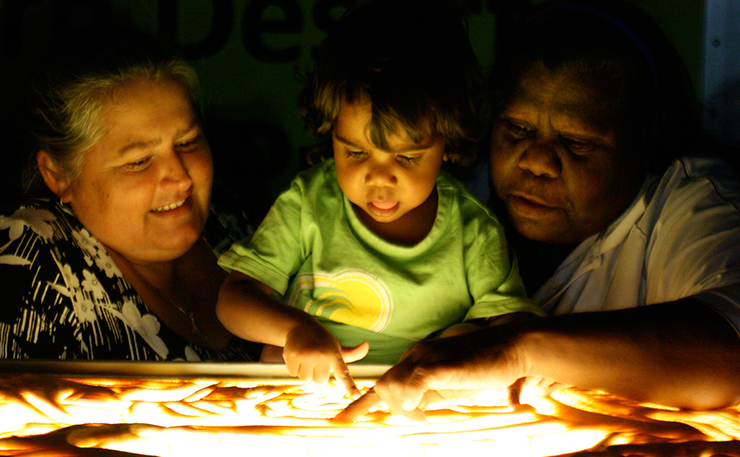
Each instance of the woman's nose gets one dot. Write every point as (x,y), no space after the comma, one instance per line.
(541,159)
(176,173)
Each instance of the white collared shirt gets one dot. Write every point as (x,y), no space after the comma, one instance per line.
(679,238)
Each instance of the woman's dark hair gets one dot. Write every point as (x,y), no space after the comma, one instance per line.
(412,60)
(619,51)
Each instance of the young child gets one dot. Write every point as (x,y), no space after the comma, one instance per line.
(377,243)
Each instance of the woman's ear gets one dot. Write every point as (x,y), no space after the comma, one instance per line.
(52,177)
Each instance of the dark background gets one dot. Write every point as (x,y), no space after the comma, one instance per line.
(247,53)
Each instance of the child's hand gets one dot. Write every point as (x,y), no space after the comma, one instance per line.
(312,353)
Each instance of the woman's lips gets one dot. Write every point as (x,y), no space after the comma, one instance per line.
(529,206)
(172,208)
(169,207)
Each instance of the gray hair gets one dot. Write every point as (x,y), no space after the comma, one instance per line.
(66,112)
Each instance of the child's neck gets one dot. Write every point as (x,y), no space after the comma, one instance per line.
(410,229)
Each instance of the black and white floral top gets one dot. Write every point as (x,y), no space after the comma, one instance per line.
(62,297)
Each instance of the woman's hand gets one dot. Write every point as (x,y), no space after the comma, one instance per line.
(443,369)
(312,353)
(447,368)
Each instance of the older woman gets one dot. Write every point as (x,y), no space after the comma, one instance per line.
(115,265)
(628,231)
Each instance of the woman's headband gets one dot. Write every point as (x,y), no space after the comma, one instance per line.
(624,28)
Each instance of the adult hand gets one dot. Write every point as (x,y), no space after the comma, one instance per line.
(312,353)
(443,369)
(530,385)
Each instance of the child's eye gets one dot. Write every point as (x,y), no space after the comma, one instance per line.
(409,160)
(350,154)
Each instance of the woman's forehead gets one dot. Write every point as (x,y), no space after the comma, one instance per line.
(564,93)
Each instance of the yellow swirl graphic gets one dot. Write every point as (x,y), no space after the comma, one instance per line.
(353,297)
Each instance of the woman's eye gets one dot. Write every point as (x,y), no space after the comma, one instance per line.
(577,147)
(517,130)
(138,164)
(189,144)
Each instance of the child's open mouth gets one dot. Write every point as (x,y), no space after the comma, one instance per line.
(384,205)
(383,209)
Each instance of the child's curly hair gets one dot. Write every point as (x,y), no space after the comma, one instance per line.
(413,61)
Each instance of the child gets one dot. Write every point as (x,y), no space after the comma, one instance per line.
(377,243)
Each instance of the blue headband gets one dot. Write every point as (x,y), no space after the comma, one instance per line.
(624,28)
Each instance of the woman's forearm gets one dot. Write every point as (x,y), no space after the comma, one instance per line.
(681,354)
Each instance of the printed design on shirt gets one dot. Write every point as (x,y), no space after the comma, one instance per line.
(80,306)
(354,297)
(147,326)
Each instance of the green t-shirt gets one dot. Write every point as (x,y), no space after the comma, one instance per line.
(313,250)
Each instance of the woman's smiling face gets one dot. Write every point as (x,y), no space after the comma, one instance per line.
(145,186)
(556,159)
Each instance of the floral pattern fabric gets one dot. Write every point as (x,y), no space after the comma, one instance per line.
(64,298)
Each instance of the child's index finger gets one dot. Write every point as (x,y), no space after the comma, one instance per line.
(341,374)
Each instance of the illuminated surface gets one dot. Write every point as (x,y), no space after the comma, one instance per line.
(224,417)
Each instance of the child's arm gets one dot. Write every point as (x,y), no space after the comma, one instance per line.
(247,309)
(476,324)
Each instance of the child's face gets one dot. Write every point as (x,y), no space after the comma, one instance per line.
(385,184)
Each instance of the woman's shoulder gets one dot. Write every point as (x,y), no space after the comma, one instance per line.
(26,208)
(36,229)
(721,173)
(36,217)
(11,205)
(705,180)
